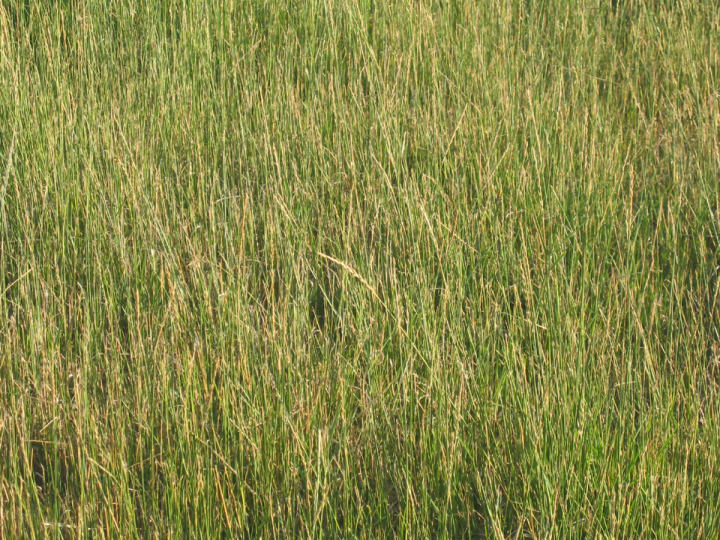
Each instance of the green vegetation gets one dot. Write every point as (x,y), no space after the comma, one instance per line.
(359,269)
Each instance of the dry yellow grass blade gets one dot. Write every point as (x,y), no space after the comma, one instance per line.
(353,273)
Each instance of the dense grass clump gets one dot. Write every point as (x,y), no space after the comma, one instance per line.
(359,269)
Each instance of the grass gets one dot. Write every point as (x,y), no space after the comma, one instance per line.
(359,269)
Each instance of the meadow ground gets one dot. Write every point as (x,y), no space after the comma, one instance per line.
(359,269)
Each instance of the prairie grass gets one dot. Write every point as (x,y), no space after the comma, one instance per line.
(359,269)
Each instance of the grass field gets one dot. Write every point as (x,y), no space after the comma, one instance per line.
(359,269)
